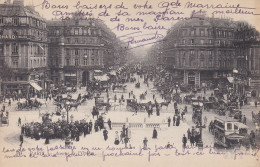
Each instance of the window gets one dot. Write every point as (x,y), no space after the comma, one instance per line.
(201,23)
(192,33)
(57,32)
(202,41)
(229,126)
(76,31)
(202,33)
(14,48)
(1,20)
(76,62)
(15,63)
(76,51)
(183,41)
(184,32)
(85,61)
(68,40)
(67,62)
(67,51)
(1,32)
(192,52)
(76,40)
(85,31)
(210,41)
(192,41)
(15,21)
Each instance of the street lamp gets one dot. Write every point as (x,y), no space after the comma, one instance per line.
(235,71)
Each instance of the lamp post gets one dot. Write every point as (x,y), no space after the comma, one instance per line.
(200,143)
(67,110)
(235,71)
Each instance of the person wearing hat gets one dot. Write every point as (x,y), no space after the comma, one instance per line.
(105,132)
(155,133)
(21,140)
(145,141)
(109,124)
(116,138)
(184,141)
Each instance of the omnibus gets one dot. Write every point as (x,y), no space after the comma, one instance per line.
(228,132)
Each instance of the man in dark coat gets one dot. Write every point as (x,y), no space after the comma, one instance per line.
(21,140)
(109,124)
(184,141)
(105,132)
(192,140)
(169,122)
(154,134)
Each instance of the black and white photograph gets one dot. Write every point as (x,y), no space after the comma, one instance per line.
(123,83)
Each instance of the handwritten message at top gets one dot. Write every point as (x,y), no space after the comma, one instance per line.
(143,16)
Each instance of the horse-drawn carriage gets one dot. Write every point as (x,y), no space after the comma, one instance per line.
(256,117)
(100,103)
(132,105)
(197,112)
(119,87)
(4,118)
(235,113)
(137,85)
(28,105)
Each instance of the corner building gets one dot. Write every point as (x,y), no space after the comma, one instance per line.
(23,49)
(77,48)
(200,51)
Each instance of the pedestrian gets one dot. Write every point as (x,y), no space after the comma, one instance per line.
(19,121)
(153,96)
(192,140)
(255,103)
(252,137)
(244,120)
(184,141)
(145,141)
(116,142)
(173,120)
(129,94)
(188,133)
(169,122)
(205,120)
(126,141)
(105,132)
(109,124)
(155,133)
(21,140)
(9,103)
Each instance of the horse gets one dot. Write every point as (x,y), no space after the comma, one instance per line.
(165,104)
(94,113)
(75,106)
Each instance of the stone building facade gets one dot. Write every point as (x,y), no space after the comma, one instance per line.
(23,49)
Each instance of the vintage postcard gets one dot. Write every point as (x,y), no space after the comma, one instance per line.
(129,83)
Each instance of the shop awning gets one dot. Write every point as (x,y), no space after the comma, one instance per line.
(102,78)
(97,71)
(230,79)
(70,75)
(35,86)
(112,72)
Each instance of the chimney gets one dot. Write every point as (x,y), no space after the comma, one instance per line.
(18,2)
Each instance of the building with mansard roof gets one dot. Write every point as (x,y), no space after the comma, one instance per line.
(23,48)
(78,47)
(203,51)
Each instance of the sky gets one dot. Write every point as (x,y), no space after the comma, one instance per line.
(146,29)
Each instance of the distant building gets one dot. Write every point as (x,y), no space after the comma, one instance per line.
(205,51)
(23,49)
(77,48)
